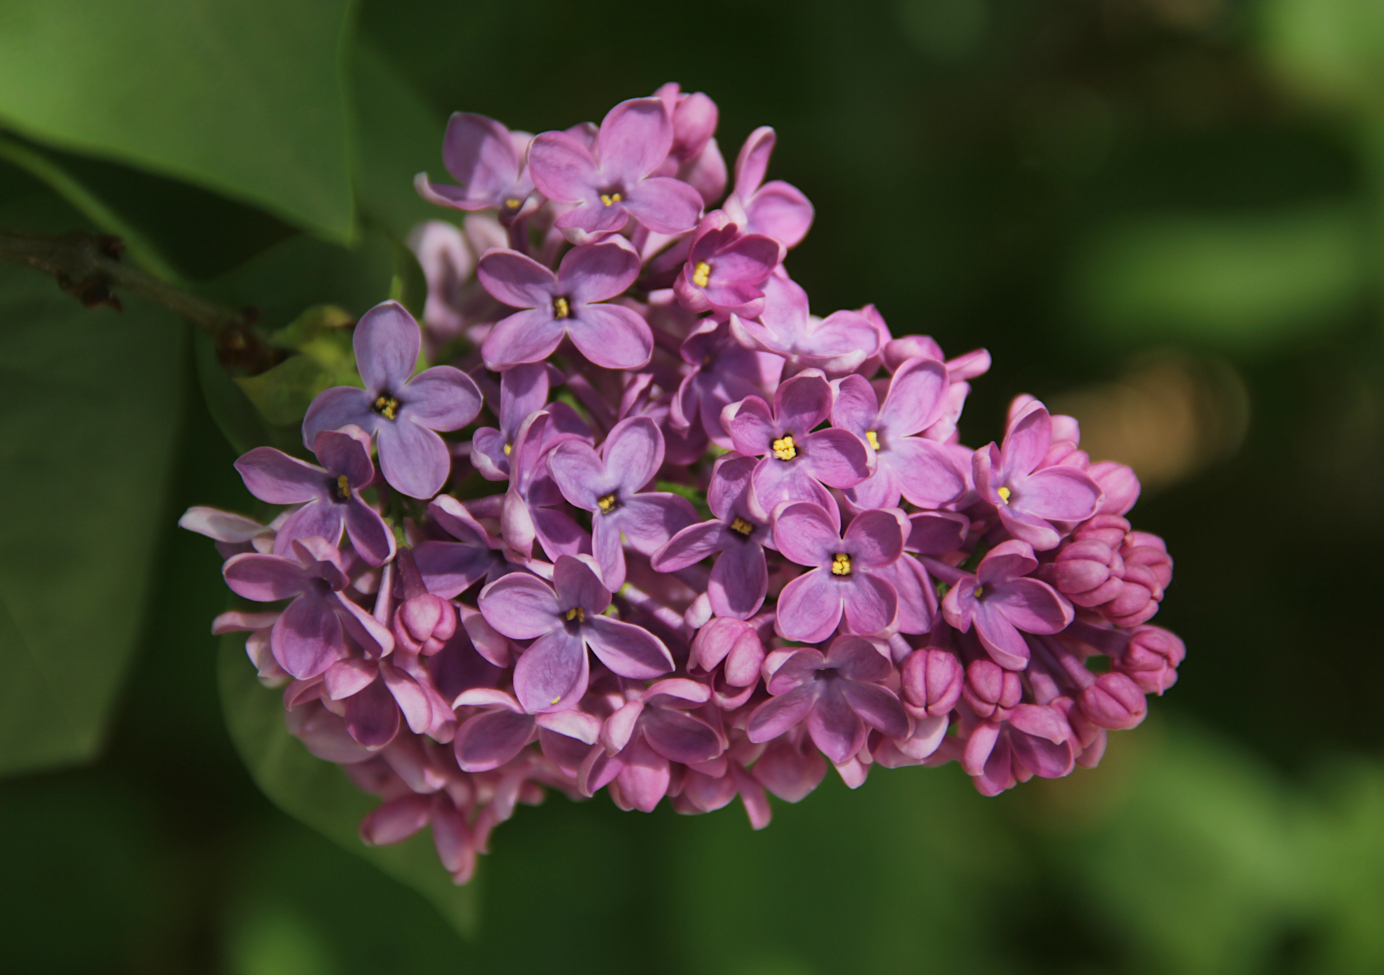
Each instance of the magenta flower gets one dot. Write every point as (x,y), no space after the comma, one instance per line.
(837,344)
(777,208)
(400,411)
(329,495)
(563,620)
(796,461)
(374,694)
(615,183)
(644,736)
(846,574)
(488,161)
(569,303)
(1033,740)
(500,731)
(694,158)
(532,506)
(450,568)
(739,577)
(1030,499)
(310,635)
(906,465)
(1004,602)
(726,269)
(608,485)
(838,695)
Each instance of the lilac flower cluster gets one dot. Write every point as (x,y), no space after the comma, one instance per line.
(703,544)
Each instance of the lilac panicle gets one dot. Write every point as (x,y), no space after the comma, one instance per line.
(703,546)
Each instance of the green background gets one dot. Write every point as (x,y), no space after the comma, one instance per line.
(1166,216)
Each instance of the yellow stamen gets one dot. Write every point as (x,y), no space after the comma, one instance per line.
(1004,493)
(561,309)
(606,503)
(577,613)
(978,591)
(840,564)
(873,437)
(512,203)
(742,526)
(701,274)
(784,448)
(343,487)
(386,406)
(509,449)
(610,199)
(555,700)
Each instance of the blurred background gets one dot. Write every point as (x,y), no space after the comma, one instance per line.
(1165,217)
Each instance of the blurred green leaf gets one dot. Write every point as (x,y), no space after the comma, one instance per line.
(399,135)
(410,285)
(318,793)
(1243,281)
(89,425)
(1332,47)
(245,97)
(322,338)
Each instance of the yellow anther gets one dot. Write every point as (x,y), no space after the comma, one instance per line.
(701,274)
(784,448)
(555,700)
(561,309)
(509,449)
(873,437)
(386,406)
(742,526)
(343,487)
(1004,493)
(978,591)
(606,503)
(840,564)
(513,203)
(610,199)
(577,613)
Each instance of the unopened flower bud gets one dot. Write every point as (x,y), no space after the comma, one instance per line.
(989,688)
(424,623)
(1151,658)
(1113,701)
(932,680)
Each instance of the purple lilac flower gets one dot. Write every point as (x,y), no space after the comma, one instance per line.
(726,269)
(376,693)
(837,344)
(523,391)
(905,464)
(776,208)
(694,158)
(329,495)
(568,303)
(531,508)
(723,372)
(739,577)
(845,575)
(1032,740)
(1004,602)
(488,161)
(495,735)
(796,461)
(563,620)
(651,730)
(310,634)
(838,695)
(402,413)
(608,485)
(1028,499)
(449,568)
(614,183)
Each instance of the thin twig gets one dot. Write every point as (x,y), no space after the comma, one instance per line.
(88,267)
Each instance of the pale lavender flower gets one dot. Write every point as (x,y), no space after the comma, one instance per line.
(571,302)
(523,391)
(614,183)
(776,208)
(449,568)
(838,344)
(563,620)
(488,161)
(329,495)
(402,413)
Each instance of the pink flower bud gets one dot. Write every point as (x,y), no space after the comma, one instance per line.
(1120,484)
(990,689)
(1113,701)
(424,623)
(932,680)
(1151,658)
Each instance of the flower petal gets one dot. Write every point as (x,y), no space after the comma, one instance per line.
(551,674)
(414,460)
(809,608)
(611,336)
(628,650)
(520,606)
(386,340)
(441,398)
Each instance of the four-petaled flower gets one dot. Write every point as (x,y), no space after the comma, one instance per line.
(1002,600)
(488,161)
(403,413)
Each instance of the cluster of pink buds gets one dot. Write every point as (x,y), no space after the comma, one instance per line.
(699,543)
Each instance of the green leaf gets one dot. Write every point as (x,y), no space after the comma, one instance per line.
(1334,48)
(322,336)
(318,793)
(245,97)
(1233,281)
(86,442)
(410,285)
(399,135)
